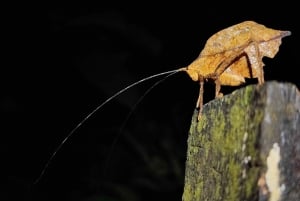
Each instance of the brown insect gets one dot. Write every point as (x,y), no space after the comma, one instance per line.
(229,56)
(233,54)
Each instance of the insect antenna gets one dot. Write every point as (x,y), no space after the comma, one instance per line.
(110,153)
(93,112)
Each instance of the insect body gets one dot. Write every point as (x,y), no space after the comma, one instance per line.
(233,54)
(229,56)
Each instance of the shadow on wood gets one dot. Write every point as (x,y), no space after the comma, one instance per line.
(246,146)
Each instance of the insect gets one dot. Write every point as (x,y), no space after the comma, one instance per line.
(233,54)
(228,57)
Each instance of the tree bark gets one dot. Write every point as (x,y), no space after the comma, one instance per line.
(246,146)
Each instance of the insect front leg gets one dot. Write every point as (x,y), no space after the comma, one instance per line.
(199,103)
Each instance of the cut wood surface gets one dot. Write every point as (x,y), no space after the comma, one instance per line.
(246,146)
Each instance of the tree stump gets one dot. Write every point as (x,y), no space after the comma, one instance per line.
(246,146)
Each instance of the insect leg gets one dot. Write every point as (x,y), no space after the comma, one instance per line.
(200,98)
(261,78)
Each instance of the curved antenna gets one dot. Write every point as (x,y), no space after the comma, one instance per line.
(127,118)
(95,110)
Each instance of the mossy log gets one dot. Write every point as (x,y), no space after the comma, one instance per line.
(246,146)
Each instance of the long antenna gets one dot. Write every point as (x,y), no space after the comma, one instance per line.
(127,118)
(95,110)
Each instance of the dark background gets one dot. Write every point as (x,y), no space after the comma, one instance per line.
(61,62)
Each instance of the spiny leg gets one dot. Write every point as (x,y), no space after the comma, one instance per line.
(200,99)
(260,77)
(255,59)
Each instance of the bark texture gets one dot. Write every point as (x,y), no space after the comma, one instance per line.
(246,146)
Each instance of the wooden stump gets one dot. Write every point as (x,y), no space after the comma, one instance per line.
(246,146)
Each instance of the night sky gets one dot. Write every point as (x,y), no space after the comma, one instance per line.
(60,63)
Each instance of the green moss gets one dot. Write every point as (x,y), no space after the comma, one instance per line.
(202,124)
(195,150)
(219,126)
(187,194)
(234,171)
(198,191)
(218,190)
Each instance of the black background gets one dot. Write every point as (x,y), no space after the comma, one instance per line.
(60,62)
